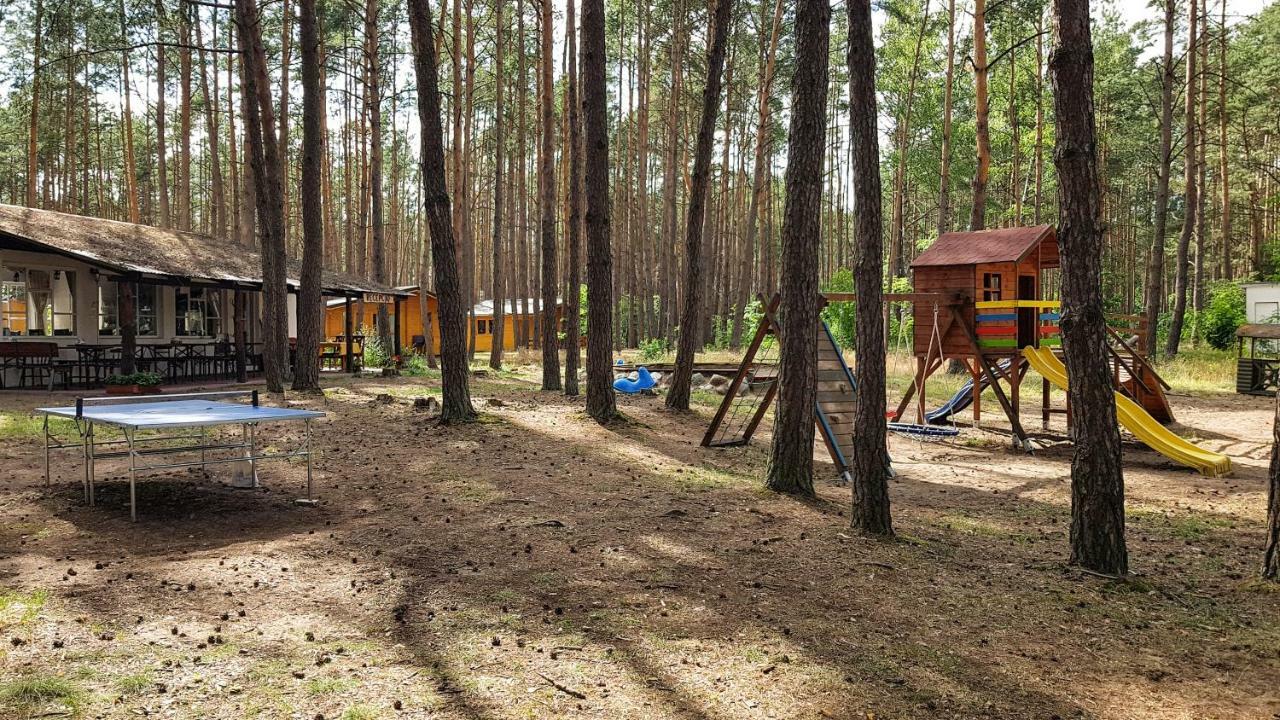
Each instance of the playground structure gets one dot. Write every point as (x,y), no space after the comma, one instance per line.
(979,300)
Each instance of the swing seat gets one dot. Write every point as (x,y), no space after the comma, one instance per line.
(922,431)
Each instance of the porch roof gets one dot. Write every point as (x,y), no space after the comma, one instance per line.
(155,254)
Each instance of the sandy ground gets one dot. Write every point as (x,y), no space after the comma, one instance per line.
(537,565)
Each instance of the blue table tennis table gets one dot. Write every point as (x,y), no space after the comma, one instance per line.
(173,417)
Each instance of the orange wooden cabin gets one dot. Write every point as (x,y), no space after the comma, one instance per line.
(335,317)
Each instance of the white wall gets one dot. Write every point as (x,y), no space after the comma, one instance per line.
(1262,302)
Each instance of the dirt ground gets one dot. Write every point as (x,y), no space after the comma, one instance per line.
(537,565)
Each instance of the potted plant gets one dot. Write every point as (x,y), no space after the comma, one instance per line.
(139,383)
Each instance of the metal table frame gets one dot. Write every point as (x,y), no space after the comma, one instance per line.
(136,441)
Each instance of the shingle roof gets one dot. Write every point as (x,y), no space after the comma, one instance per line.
(990,246)
(153,252)
(1261,331)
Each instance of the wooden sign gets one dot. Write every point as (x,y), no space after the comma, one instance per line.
(371,297)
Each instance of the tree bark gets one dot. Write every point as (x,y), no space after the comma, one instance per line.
(760,178)
(982,117)
(574,222)
(306,372)
(1224,172)
(377,223)
(791,455)
(691,312)
(1271,554)
(1097,480)
(1153,291)
(455,375)
(870,480)
(33,124)
(601,404)
(265,162)
(547,202)
(1181,271)
(162,161)
(500,146)
(944,181)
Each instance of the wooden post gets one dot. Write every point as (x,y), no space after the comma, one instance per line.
(1044,403)
(976,374)
(348,361)
(395,325)
(920,402)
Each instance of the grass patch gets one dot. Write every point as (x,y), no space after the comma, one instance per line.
(1183,527)
(1200,371)
(329,686)
(980,528)
(34,693)
(359,712)
(20,426)
(21,608)
(134,684)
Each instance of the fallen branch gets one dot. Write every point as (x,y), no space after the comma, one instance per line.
(564,689)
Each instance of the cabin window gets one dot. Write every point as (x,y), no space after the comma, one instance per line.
(38,303)
(144,309)
(198,312)
(991,286)
(482,327)
(1266,312)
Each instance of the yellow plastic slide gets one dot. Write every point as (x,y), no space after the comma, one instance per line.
(1137,421)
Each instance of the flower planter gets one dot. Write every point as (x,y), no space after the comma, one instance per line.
(133,389)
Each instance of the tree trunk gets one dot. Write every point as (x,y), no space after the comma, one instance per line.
(760,178)
(982,115)
(870,464)
(944,182)
(310,301)
(33,124)
(218,200)
(373,92)
(162,161)
(689,341)
(499,143)
(601,404)
(130,165)
(897,258)
(547,202)
(1271,555)
(791,456)
(1153,291)
(455,376)
(1224,174)
(1181,271)
(265,161)
(1097,481)
(573,230)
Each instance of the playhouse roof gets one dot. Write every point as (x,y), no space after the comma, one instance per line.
(991,246)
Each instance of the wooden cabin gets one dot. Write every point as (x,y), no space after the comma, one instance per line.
(988,266)
(483,313)
(410,316)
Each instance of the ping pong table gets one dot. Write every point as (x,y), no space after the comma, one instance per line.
(138,418)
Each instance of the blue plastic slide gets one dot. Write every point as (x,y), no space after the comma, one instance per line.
(962,399)
(644,381)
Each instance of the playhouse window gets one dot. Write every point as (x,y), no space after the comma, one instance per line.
(990,286)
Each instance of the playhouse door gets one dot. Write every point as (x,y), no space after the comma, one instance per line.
(1026,316)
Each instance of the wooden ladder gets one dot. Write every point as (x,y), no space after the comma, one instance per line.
(833,411)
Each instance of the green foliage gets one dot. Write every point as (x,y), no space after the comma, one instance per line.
(654,348)
(376,355)
(1224,313)
(36,692)
(415,365)
(841,317)
(142,379)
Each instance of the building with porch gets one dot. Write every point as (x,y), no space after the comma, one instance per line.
(60,279)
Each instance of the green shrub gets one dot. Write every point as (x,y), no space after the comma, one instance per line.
(654,349)
(415,365)
(1224,314)
(145,379)
(376,355)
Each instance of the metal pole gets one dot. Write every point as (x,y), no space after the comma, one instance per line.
(89,469)
(46,451)
(203,442)
(133,477)
(253,451)
(307,423)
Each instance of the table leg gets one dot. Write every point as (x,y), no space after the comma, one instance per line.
(203,442)
(133,477)
(89,469)
(307,423)
(253,452)
(46,451)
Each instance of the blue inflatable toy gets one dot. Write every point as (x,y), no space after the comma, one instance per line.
(644,381)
